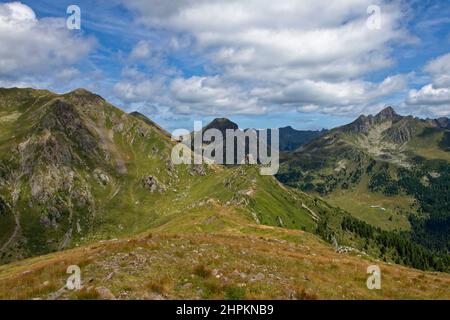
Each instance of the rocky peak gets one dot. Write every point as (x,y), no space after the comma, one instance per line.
(84,97)
(81,91)
(360,125)
(222,124)
(388,114)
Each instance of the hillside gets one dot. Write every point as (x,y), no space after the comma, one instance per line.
(75,169)
(253,262)
(395,169)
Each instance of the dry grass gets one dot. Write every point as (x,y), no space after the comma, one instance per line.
(281,264)
(202,271)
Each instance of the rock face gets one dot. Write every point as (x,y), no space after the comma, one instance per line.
(102,177)
(152,184)
(197,170)
(105,293)
(365,123)
(388,114)
(403,131)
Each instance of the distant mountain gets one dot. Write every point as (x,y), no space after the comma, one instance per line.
(290,138)
(221,124)
(390,170)
(443,123)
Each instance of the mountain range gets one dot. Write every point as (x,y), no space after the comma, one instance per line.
(82,182)
(395,169)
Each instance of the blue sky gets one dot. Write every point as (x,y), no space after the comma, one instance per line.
(308,64)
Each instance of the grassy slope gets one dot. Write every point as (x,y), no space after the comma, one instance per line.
(256,262)
(359,201)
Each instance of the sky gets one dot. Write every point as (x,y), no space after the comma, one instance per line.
(310,64)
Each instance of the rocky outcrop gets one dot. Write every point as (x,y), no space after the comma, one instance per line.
(197,170)
(401,133)
(365,123)
(388,114)
(102,177)
(152,184)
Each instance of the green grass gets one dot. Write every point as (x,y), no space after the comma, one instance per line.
(359,202)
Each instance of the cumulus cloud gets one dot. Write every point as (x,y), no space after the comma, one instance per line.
(439,69)
(338,94)
(264,55)
(35,47)
(434,98)
(145,90)
(211,96)
(142,50)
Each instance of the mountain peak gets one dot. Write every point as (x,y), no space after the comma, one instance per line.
(81,91)
(387,113)
(84,96)
(222,124)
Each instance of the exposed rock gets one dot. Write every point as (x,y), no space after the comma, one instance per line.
(388,114)
(259,277)
(57,294)
(105,293)
(280,221)
(344,249)
(197,170)
(152,184)
(187,286)
(365,123)
(255,217)
(102,177)
(109,277)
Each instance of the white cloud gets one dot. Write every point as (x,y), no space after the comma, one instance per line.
(433,98)
(35,47)
(271,55)
(335,97)
(439,69)
(146,90)
(308,108)
(211,96)
(429,95)
(142,50)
